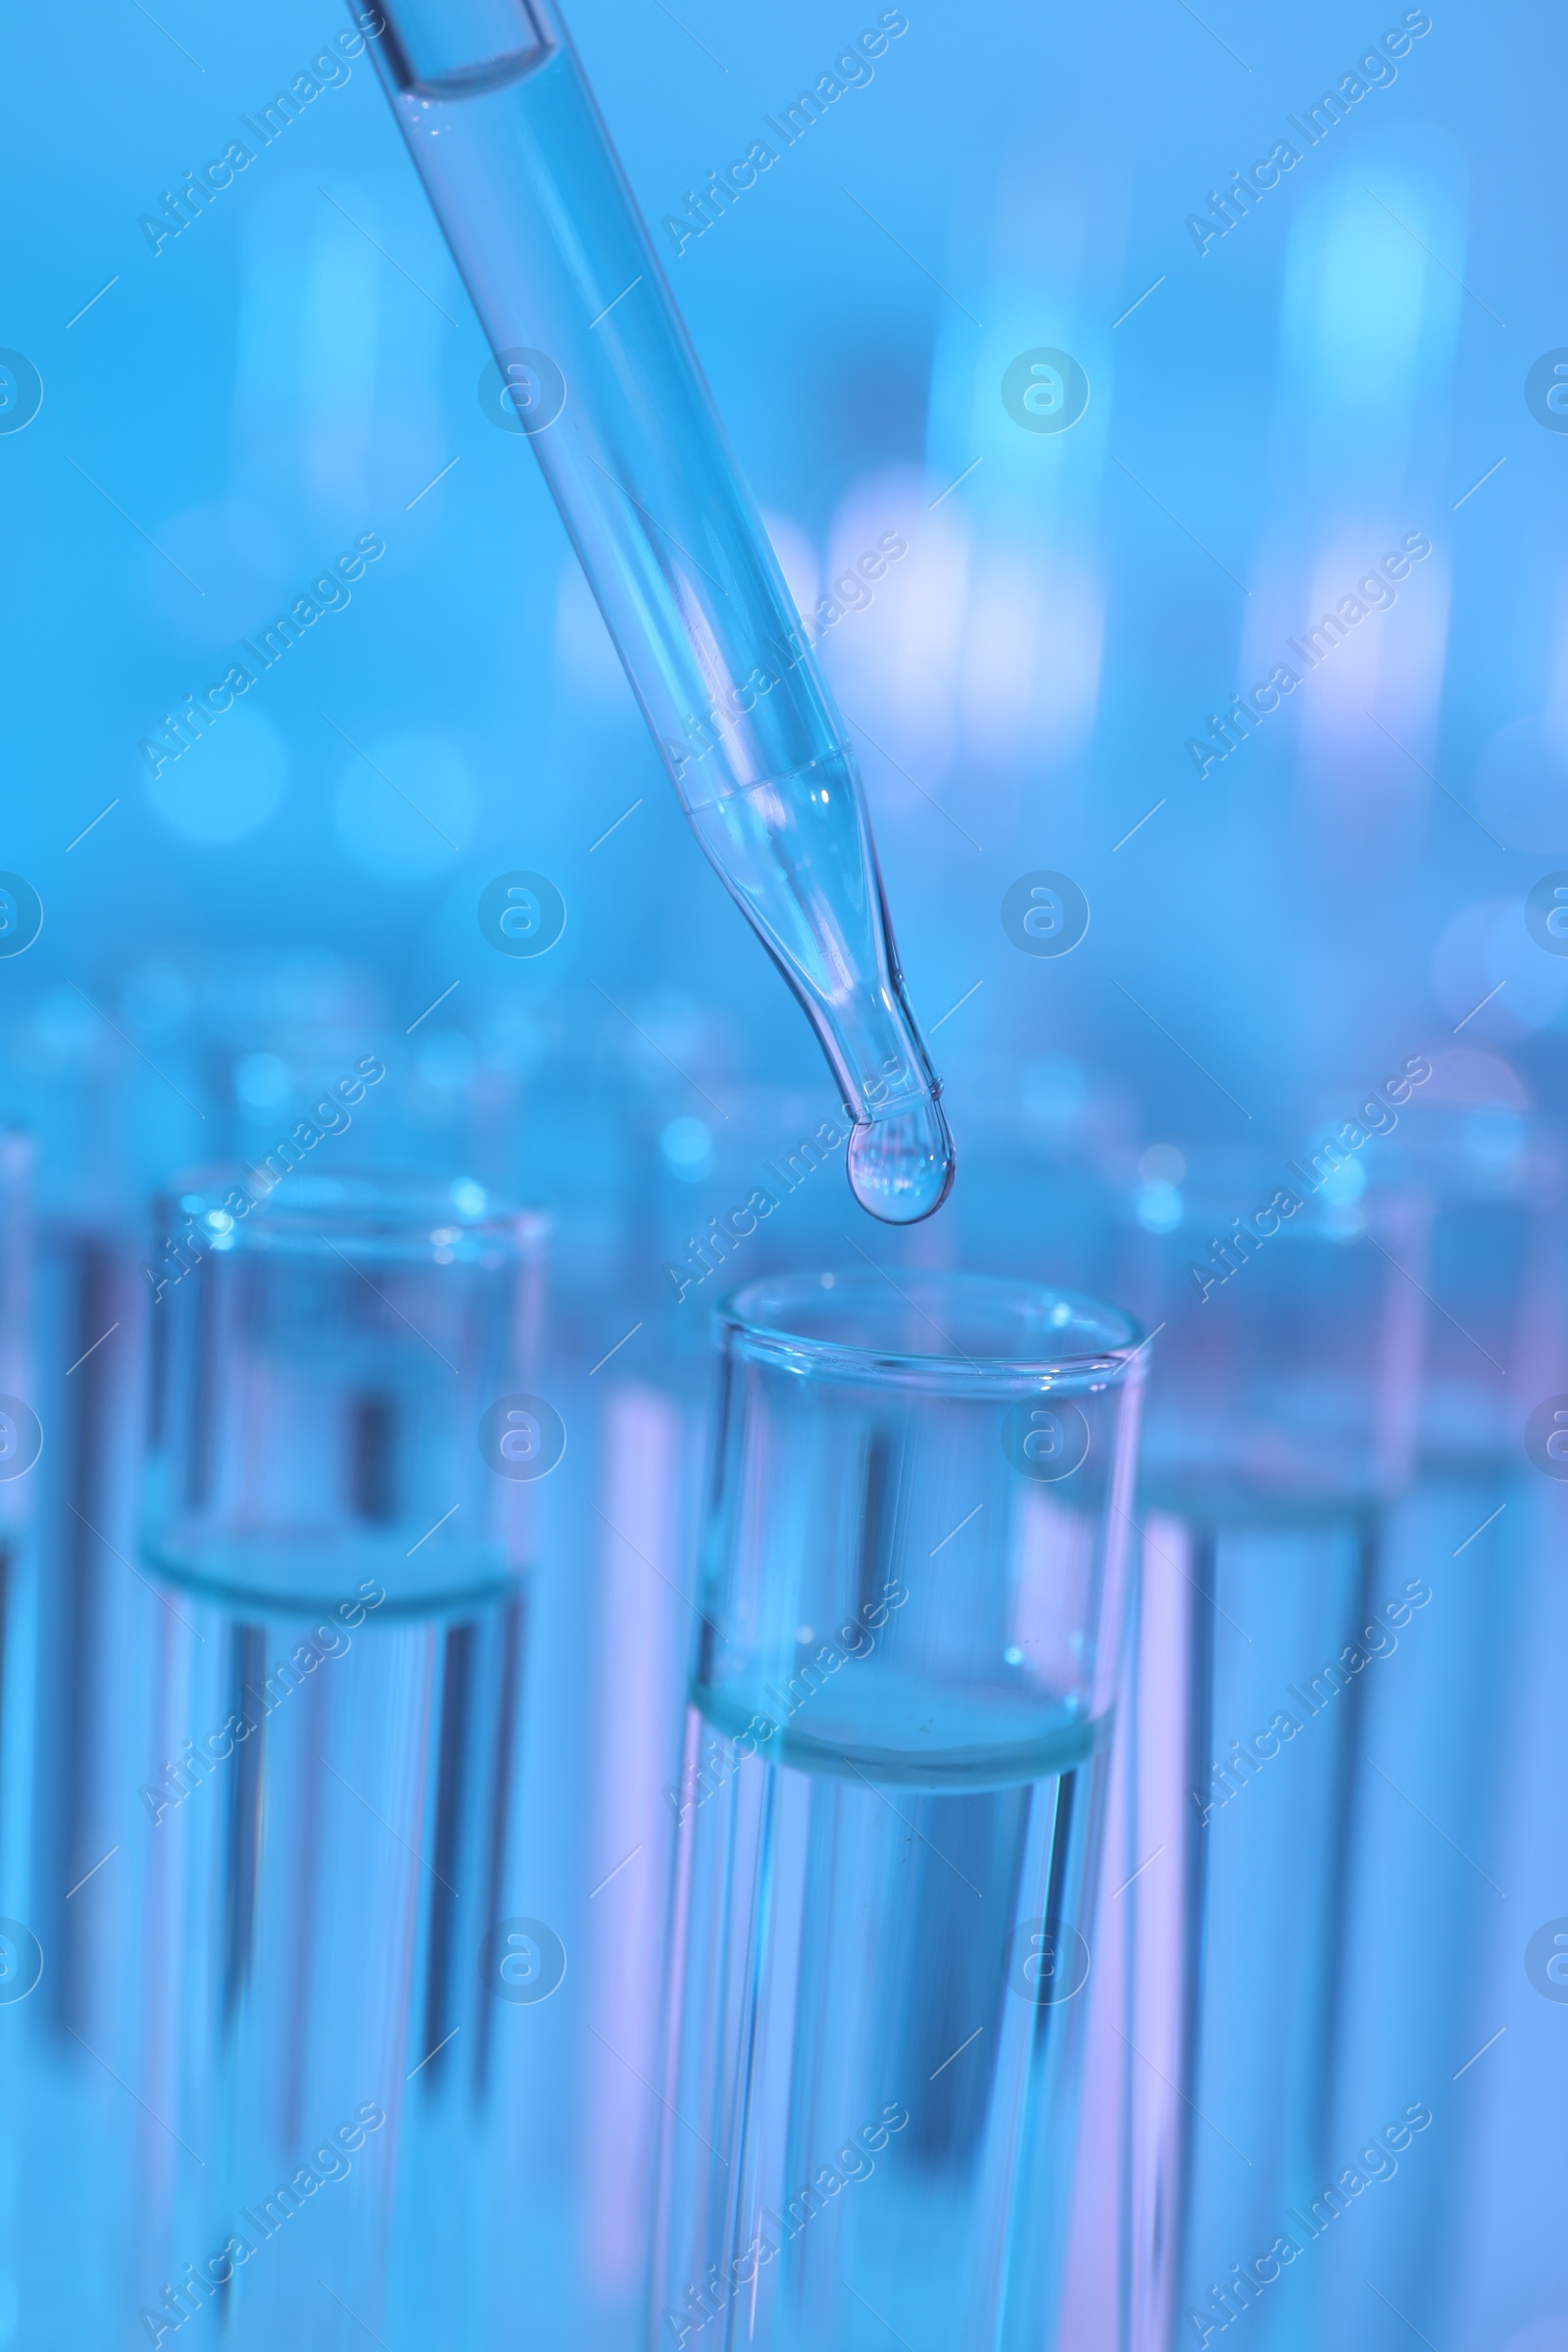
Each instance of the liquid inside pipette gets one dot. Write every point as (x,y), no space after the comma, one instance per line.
(595,369)
(901,1166)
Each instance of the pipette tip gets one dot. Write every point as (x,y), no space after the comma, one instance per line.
(901,1163)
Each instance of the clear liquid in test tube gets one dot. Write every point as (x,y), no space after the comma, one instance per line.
(915,1576)
(338,1524)
(593,363)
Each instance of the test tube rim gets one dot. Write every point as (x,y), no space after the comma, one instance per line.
(749,1322)
(402,1213)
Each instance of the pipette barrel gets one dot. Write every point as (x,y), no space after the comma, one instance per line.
(594,366)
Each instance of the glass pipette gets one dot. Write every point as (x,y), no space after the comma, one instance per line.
(597,367)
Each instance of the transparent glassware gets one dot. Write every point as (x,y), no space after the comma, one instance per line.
(346,1437)
(1282,1426)
(79,1683)
(593,363)
(325,1351)
(1455,1826)
(914,1577)
(28,2050)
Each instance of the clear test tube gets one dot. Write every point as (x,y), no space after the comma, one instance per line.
(1281,1426)
(85,1688)
(1449,1837)
(25,2046)
(634,1607)
(20,1443)
(593,363)
(914,1572)
(346,1434)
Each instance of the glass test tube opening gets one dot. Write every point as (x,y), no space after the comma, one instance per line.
(1290,1347)
(338,1379)
(914,1581)
(592,364)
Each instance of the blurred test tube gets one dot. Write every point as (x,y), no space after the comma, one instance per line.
(1283,1423)
(346,1430)
(24,2052)
(1431,1920)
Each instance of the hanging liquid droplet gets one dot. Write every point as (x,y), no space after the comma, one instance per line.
(900,1163)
